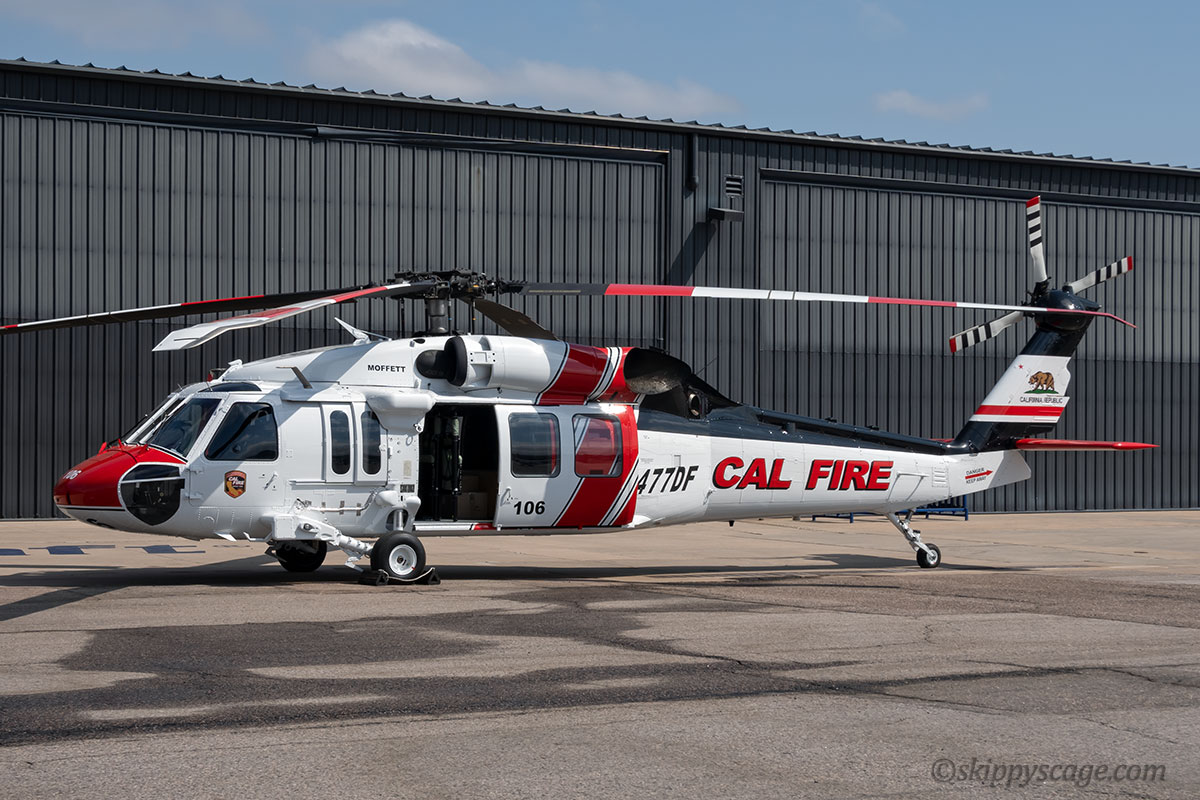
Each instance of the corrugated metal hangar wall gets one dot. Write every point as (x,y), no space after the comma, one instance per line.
(124,189)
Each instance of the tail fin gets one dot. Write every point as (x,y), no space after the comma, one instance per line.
(1031,395)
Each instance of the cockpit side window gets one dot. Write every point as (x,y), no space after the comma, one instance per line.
(183,427)
(248,433)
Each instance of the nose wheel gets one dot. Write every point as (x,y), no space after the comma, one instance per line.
(928,555)
(400,555)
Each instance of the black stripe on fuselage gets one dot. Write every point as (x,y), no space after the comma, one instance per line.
(747,422)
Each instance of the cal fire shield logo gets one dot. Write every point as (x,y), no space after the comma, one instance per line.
(235,483)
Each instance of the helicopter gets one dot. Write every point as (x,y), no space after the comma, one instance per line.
(369,446)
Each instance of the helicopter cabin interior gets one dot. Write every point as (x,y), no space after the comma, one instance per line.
(459,466)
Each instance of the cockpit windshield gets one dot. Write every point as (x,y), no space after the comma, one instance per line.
(179,430)
(147,424)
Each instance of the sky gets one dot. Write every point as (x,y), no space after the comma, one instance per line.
(1101,79)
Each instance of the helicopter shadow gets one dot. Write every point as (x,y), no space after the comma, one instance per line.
(260,571)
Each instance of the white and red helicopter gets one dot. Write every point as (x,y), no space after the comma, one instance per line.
(453,434)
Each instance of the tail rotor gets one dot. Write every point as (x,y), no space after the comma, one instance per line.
(1038,296)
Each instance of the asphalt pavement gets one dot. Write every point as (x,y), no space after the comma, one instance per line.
(1052,655)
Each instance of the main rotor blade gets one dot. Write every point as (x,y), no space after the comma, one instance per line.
(218,306)
(512,321)
(660,290)
(1033,220)
(195,335)
(981,333)
(1100,276)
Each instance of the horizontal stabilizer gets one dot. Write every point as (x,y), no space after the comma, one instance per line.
(1078,444)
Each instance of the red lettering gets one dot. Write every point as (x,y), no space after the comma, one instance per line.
(856,473)
(756,475)
(777,481)
(836,478)
(881,473)
(819,469)
(874,476)
(721,477)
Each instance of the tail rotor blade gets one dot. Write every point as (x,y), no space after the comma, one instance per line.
(1101,275)
(1033,220)
(981,333)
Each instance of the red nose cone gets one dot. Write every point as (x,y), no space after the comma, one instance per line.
(93,483)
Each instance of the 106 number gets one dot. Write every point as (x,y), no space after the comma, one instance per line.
(530,508)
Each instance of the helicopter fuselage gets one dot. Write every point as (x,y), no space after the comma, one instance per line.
(486,435)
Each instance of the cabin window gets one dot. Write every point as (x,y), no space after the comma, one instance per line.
(597,446)
(248,433)
(339,442)
(178,432)
(372,441)
(533,439)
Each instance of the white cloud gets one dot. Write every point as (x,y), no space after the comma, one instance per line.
(137,24)
(879,22)
(396,55)
(906,102)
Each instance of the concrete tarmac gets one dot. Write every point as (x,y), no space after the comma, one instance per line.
(1053,655)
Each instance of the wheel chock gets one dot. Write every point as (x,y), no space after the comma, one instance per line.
(378,577)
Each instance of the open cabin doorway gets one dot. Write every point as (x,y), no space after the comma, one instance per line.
(460,458)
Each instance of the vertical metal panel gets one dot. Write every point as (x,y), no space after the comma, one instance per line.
(888,367)
(102,213)
(112,214)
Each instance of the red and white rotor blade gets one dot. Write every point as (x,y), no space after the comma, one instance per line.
(195,335)
(1033,221)
(220,305)
(981,333)
(1100,276)
(662,290)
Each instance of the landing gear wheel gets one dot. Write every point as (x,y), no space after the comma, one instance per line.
(400,555)
(931,559)
(301,556)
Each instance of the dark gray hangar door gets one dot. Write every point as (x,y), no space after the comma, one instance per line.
(890,366)
(100,214)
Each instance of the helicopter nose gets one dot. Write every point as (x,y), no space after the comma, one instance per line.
(122,487)
(92,484)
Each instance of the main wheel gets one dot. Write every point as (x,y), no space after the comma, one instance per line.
(931,559)
(399,554)
(301,556)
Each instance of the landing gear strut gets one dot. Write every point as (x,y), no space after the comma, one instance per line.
(928,555)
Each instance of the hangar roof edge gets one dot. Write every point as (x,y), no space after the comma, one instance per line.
(690,126)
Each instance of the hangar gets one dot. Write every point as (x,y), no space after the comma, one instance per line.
(121,188)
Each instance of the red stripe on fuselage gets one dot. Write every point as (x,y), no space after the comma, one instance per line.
(617,390)
(579,377)
(596,495)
